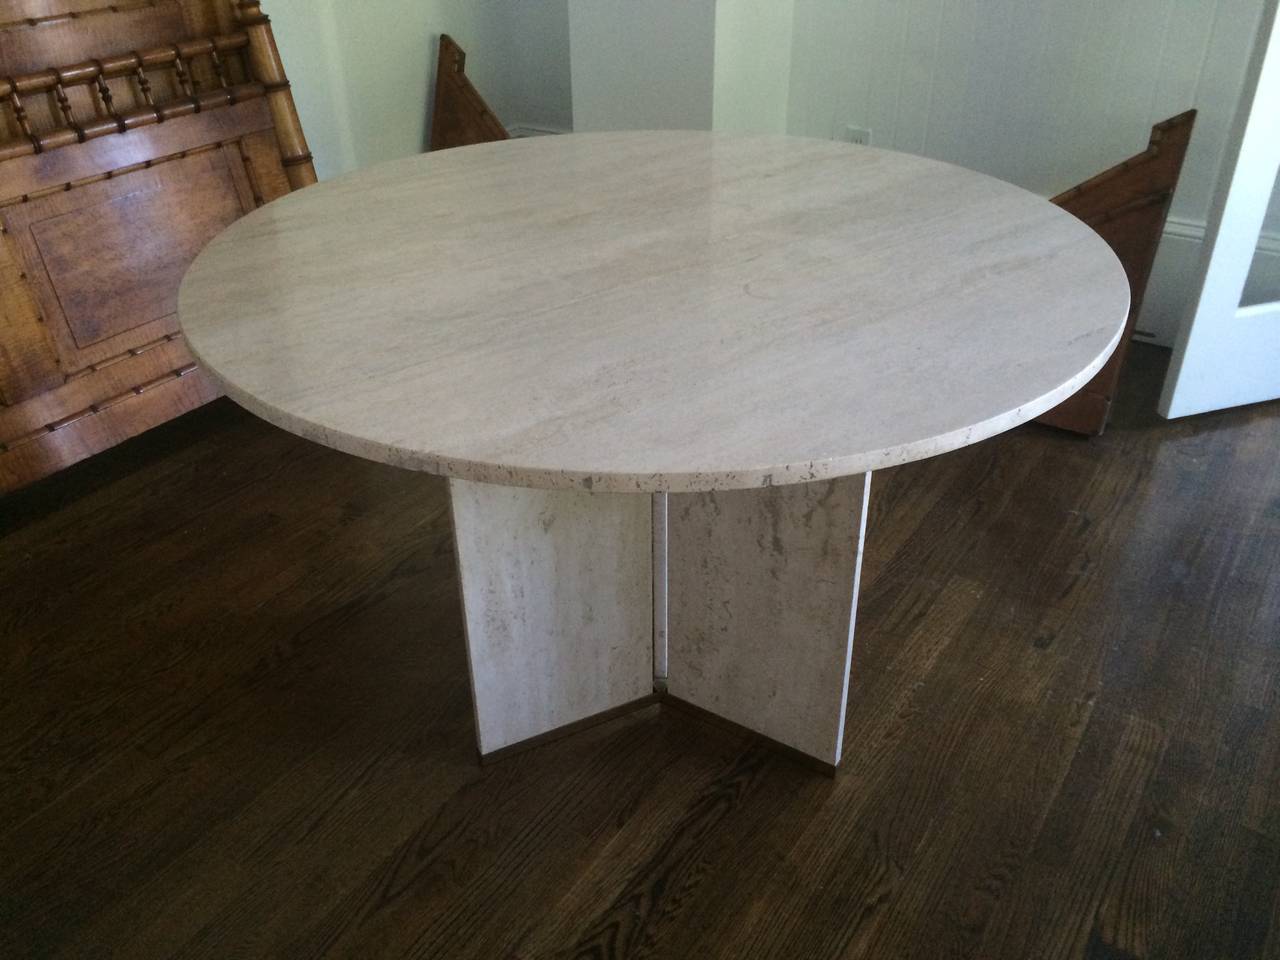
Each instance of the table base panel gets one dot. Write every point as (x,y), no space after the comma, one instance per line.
(558,604)
(762,588)
(577,604)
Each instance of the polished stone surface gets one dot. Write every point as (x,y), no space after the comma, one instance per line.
(557,592)
(654,311)
(763,589)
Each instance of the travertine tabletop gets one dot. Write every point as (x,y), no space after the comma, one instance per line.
(654,311)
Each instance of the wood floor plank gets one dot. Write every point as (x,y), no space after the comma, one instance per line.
(1226,905)
(453,886)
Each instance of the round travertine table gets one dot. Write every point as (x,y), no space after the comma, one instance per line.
(658,370)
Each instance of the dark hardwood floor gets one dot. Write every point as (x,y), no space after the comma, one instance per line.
(234,722)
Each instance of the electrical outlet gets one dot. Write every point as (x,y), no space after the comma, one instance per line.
(860,135)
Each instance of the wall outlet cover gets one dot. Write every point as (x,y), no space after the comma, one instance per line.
(855,134)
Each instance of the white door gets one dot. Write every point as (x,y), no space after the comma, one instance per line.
(1226,355)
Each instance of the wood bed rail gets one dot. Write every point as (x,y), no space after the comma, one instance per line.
(219,89)
(60,105)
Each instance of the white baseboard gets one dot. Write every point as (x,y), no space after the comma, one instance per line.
(533,130)
(1170,290)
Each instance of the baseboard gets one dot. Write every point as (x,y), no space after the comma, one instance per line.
(524,129)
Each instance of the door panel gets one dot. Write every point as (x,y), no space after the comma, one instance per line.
(1226,355)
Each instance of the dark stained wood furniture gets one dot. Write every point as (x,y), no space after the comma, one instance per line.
(130,134)
(460,116)
(1127,205)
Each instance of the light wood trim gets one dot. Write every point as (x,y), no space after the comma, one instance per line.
(268,68)
(27,175)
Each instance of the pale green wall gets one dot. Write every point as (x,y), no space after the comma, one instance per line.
(306,33)
(1042,94)
(390,66)
(536,88)
(642,64)
(752,65)
(361,73)
(722,64)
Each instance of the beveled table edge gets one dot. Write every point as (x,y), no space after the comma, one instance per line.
(543,478)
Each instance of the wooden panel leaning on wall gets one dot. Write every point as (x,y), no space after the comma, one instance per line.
(460,116)
(130,134)
(1127,205)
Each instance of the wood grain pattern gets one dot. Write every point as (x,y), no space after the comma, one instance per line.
(27,350)
(1127,205)
(128,138)
(152,230)
(33,174)
(241,726)
(56,39)
(96,84)
(459,116)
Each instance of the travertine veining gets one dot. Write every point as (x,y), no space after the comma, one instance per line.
(763,589)
(557,590)
(654,311)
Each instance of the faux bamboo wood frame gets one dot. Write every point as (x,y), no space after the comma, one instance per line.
(263,67)
(114,171)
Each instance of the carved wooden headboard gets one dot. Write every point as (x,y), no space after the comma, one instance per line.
(130,134)
(460,116)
